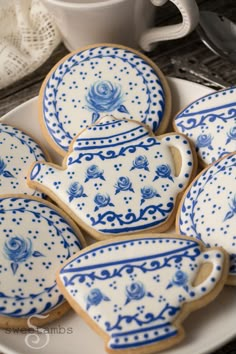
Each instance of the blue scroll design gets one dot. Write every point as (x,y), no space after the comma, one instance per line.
(207,116)
(112,154)
(131,219)
(145,265)
(148,318)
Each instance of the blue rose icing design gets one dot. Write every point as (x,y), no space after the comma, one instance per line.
(179,279)
(18,249)
(204,141)
(3,171)
(163,171)
(75,190)
(95,297)
(148,192)
(105,96)
(231,135)
(135,291)
(93,172)
(123,184)
(140,162)
(102,200)
(232,212)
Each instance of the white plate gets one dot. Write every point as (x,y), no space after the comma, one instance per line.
(206,329)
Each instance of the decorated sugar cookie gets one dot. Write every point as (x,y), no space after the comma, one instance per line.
(36,239)
(99,80)
(17,152)
(136,291)
(210,122)
(208,209)
(118,178)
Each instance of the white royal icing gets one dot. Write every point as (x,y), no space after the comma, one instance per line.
(208,211)
(17,152)
(98,81)
(134,289)
(118,178)
(210,123)
(35,241)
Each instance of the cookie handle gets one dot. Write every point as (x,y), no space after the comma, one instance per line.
(185,160)
(217,260)
(190,15)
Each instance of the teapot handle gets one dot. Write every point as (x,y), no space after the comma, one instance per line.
(190,17)
(188,158)
(217,258)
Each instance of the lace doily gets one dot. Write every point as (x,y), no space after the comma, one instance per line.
(28,36)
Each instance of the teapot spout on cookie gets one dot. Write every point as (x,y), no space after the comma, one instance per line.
(39,175)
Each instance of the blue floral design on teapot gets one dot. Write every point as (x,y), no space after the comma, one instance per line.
(93,172)
(75,190)
(123,184)
(148,192)
(102,200)
(163,171)
(140,162)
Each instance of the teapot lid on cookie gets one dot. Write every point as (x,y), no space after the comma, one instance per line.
(110,132)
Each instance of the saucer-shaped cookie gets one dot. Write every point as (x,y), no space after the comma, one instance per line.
(208,209)
(36,238)
(99,80)
(119,178)
(18,152)
(210,122)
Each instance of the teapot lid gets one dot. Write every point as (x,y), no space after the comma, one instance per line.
(110,132)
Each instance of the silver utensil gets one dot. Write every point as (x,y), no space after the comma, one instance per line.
(218,33)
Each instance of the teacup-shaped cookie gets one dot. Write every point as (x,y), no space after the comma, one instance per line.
(118,178)
(135,291)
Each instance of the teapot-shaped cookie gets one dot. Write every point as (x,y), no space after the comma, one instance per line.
(119,178)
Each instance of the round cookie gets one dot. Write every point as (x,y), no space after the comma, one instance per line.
(18,152)
(119,178)
(36,239)
(210,123)
(136,291)
(99,80)
(208,209)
